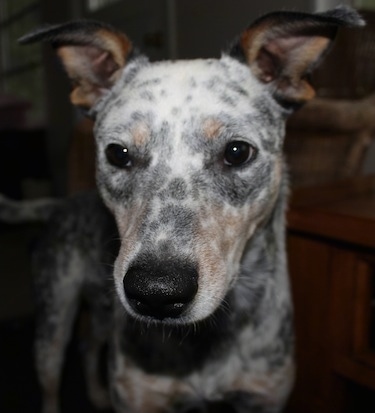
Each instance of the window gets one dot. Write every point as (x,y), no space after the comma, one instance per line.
(21,66)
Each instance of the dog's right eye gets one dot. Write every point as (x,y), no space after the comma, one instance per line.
(118,155)
(238,153)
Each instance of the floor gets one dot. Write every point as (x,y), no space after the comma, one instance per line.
(19,390)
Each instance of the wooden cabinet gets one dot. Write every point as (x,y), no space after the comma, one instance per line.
(331,247)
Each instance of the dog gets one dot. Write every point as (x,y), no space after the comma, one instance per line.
(190,165)
(72,262)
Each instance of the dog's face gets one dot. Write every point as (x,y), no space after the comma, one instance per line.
(189,161)
(189,153)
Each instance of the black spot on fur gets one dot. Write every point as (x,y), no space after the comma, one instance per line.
(192,83)
(177,189)
(148,96)
(180,220)
(149,82)
(228,100)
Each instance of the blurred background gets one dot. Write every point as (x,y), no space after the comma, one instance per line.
(36,118)
(46,149)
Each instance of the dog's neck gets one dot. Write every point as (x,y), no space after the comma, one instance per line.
(264,275)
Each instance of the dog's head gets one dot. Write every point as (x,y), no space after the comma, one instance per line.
(189,153)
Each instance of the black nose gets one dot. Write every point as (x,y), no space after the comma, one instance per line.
(160,290)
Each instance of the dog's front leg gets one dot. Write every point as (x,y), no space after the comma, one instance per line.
(59,276)
(53,331)
(99,334)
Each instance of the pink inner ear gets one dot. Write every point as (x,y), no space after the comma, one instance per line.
(97,61)
(104,66)
(267,65)
(94,63)
(289,56)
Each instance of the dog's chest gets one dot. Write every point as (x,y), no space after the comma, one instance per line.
(234,366)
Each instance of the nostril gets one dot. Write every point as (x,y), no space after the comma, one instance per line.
(160,290)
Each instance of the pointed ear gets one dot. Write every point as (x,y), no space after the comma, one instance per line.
(283,48)
(93,55)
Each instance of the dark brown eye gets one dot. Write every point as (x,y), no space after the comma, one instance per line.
(237,153)
(117,155)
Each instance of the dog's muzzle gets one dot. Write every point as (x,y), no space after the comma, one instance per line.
(160,289)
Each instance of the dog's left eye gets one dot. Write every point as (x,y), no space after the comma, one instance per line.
(238,153)
(118,155)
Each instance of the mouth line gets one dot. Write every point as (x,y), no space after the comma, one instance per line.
(166,321)
(185,320)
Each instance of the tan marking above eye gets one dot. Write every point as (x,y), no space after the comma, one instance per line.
(140,134)
(212,128)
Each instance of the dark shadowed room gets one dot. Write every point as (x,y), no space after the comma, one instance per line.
(187,206)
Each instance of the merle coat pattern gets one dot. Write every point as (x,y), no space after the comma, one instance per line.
(190,164)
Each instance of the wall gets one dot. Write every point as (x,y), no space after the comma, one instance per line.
(204,28)
(321,5)
(60,115)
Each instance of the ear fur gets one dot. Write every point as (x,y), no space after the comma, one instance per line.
(92,54)
(283,48)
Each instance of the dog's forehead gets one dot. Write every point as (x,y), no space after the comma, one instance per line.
(184,90)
